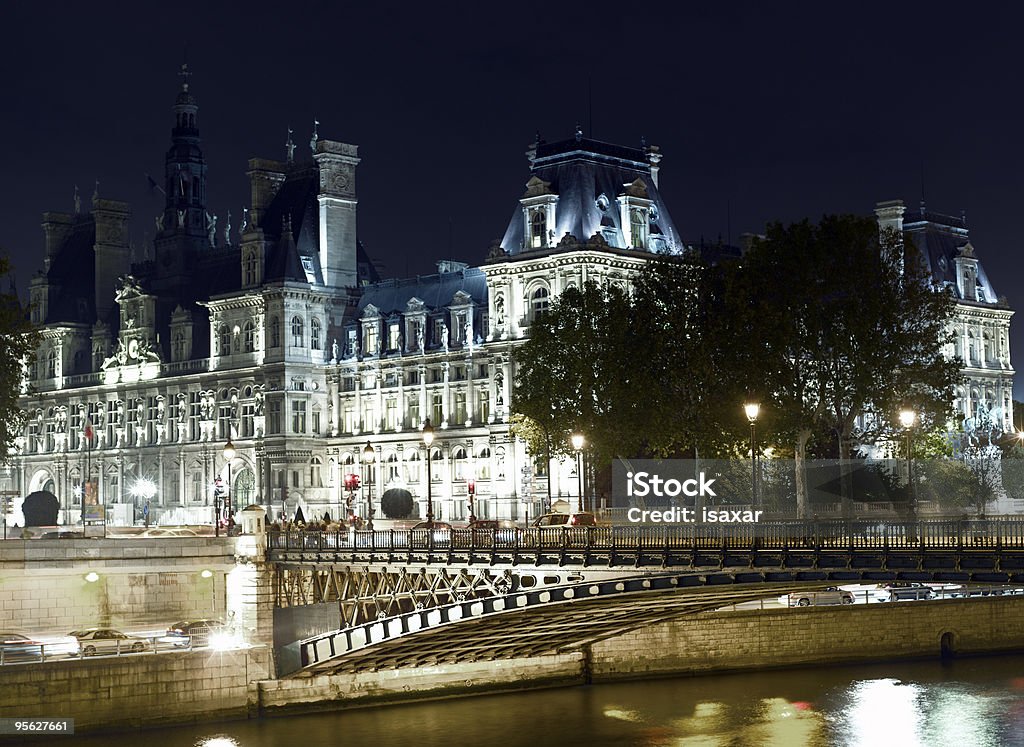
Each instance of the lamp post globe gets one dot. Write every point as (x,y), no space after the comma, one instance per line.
(907,419)
(428,439)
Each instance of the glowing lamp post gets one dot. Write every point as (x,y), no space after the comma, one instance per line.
(577,443)
(907,419)
(369,457)
(752,410)
(229,456)
(428,439)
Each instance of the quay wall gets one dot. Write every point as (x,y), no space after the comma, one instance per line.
(43,585)
(181,687)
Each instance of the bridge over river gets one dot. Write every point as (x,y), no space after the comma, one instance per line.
(357,601)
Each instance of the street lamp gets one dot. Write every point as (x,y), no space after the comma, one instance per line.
(369,457)
(229,456)
(471,488)
(752,410)
(907,419)
(577,443)
(428,439)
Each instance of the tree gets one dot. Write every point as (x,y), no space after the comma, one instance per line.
(579,370)
(835,328)
(18,342)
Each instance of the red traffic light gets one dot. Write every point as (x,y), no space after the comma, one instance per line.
(351,482)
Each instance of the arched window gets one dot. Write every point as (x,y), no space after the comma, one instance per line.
(435,467)
(314,334)
(483,464)
(413,467)
(459,463)
(315,477)
(538,228)
(391,468)
(275,332)
(249,333)
(297,331)
(225,340)
(539,302)
(51,364)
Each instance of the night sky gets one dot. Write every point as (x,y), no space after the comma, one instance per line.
(763,111)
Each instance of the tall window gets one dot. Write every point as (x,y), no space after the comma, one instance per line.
(483,403)
(316,421)
(414,467)
(460,407)
(224,422)
(225,340)
(390,467)
(370,337)
(483,464)
(459,464)
(314,334)
(248,412)
(539,302)
(315,473)
(249,333)
(250,269)
(274,416)
(393,336)
(414,412)
(298,416)
(538,228)
(438,409)
(178,346)
(297,332)
(391,413)
(275,332)
(638,227)
(51,364)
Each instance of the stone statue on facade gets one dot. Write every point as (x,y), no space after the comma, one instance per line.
(259,401)
(181,219)
(290,146)
(159,223)
(419,338)
(334,351)
(469,334)
(245,221)
(211,229)
(444,338)
(227,231)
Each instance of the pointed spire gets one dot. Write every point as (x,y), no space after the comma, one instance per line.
(96,193)
(316,136)
(579,132)
(185,75)
(289,146)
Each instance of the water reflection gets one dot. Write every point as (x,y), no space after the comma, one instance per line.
(972,703)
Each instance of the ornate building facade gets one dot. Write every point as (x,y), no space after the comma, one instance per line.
(278,335)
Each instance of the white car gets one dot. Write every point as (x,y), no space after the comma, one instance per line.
(831,595)
(97,641)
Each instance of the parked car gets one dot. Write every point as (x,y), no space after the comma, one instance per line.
(196,632)
(94,641)
(900,591)
(831,595)
(66,534)
(502,532)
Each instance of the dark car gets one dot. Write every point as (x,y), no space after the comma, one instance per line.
(503,532)
(194,632)
(901,591)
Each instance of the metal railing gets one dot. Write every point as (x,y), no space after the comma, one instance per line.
(37,652)
(943,535)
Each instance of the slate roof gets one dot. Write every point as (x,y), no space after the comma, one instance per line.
(579,171)
(940,238)
(436,291)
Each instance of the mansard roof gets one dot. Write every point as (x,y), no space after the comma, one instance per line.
(580,171)
(941,239)
(435,291)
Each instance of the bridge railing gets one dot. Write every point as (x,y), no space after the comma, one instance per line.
(990,534)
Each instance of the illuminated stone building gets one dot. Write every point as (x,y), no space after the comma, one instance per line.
(981,326)
(278,335)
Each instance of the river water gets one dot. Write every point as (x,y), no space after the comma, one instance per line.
(975,702)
